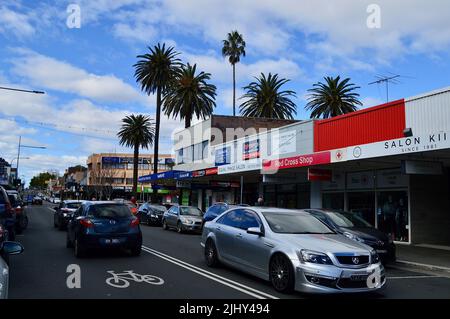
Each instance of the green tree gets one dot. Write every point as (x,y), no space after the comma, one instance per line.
(40,180)
(154,71)
(233,48)
(264,98)
(332,98)
(137,131)
(190,94)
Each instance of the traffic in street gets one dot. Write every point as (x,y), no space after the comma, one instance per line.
(171,265)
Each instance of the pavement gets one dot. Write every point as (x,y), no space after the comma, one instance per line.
(171,266)
(425,257)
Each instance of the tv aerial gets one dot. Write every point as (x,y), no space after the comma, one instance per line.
(383,79)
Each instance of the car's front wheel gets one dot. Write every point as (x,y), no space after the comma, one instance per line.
(211,254)
(164,224)
(282,274)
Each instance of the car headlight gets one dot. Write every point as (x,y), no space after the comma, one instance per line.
(314,257)
(374,257)
(354,237)
(153,215)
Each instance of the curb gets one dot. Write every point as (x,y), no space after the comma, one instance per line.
(422,266)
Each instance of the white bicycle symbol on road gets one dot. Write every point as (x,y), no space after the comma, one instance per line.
(122,280)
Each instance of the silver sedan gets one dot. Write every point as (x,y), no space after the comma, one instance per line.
(7,248)
(291,249)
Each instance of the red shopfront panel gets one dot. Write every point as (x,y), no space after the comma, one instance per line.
(378,123)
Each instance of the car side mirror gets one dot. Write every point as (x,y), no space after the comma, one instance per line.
(255,231)
(11,248)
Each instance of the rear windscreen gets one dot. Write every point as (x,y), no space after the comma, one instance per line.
(109,211)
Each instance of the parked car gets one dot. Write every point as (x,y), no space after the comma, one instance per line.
(151,214)
(37,200)
(291,249)
(216,209)
(356,228)
(7,215)
(64,212)
(19,206)
(56,200)
(103,225)
(133,207)
(183,218)
(7,249)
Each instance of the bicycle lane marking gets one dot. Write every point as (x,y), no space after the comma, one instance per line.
(220,279)
(122,280)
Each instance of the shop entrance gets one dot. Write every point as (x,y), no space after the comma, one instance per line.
(362,204)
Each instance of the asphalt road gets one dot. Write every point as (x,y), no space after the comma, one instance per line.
(175,259)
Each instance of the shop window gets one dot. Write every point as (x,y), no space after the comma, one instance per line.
(392,214)
(333,201)
(362,204)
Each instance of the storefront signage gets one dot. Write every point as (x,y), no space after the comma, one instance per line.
(422,167)
(315,174)
(360,180)
(205,172)
(183,184)
(239,167)
(297,161)
(250,149)
(183,175)
(337,182)
(222,156)
(284,142)
(391,178)
(414,144)
(225,184)
(115,160)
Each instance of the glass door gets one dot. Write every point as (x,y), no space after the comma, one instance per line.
(362,204)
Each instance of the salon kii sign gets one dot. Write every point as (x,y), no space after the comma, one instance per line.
(297,161)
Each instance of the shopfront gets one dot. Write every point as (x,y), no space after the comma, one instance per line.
(378,196)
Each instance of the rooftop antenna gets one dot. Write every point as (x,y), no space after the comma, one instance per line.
(386,79)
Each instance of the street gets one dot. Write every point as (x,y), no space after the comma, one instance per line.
(175,260)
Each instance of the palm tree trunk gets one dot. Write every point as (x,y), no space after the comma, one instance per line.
(155,153)
(135,169)
(187,121)
(234,89)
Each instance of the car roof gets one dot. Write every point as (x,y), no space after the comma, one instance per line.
(262,209)
(69,201)
(100,202)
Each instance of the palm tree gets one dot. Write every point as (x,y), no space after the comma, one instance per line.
(154,71)
(265,99)
(332,98)
(233,48)
(137,131)
(190,94)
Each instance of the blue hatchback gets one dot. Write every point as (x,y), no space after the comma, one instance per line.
(104,225)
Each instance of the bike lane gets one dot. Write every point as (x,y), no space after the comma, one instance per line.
(40,272)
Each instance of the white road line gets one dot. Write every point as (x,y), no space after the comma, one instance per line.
(225,281)
(414,277)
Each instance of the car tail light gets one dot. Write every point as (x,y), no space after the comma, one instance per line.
(86,223)
(18,210)
(134,222)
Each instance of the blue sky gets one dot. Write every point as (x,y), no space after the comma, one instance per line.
(87,73)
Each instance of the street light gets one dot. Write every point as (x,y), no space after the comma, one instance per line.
(20,90)
(25,146)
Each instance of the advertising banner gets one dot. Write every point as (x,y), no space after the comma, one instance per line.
(222,156)
(250,149)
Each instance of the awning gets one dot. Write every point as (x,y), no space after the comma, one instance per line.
(158,176)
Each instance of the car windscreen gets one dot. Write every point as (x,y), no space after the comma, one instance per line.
(73,205)
(190,211)
(13,200)
(346,219)
(284,223)
(158,208)
(109,211)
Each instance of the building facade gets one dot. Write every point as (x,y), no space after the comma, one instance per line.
(114,172)
(390,164)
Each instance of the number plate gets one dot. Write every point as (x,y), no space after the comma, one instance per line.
(380,251)
(358,277)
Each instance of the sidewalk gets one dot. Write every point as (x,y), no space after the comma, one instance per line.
(424,256)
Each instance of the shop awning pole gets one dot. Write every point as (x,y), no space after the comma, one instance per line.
(242,187)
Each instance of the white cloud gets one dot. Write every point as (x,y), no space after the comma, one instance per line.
(16,23)
(50,73)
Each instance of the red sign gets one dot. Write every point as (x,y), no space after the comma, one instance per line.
(205,172)
(211,171)
(297,161)
(250,150)
(315,174)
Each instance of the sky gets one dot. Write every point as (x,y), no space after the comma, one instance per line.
(87,70)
